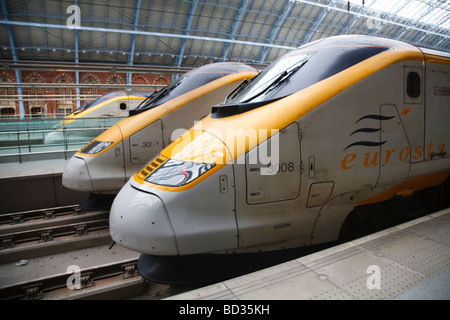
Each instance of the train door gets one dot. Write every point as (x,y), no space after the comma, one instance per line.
(146,143)
(278,177)
(402,129)
(267,189)
(395,151)
(412,112)
(437,128)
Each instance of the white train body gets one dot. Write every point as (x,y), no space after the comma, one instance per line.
(364,133)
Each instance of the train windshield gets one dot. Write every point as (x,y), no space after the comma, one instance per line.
(300,69)
(161,96)
(97,101)
(191,81)
(276,74)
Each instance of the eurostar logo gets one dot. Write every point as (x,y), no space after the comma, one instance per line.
(369,130)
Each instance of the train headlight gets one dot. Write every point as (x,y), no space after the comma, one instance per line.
(194,153)
(175,173)
(96,146)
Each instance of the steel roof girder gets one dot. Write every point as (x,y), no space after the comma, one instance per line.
(189,19)
(275,30)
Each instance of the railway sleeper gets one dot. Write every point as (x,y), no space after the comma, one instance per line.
(7,242)
(17,219)
(87,280)
(48,234)
(130,270)
(70,284)
(49,213)
(33,292)
(80,230)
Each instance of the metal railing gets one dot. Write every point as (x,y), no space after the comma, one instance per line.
(24,140)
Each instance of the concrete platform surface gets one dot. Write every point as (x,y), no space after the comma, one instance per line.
(28,169)
(408,261)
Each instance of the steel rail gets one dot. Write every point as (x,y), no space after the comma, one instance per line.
(48,213)
(38,288)
(49,233)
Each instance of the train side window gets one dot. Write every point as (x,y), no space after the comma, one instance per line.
(123,106)
(413,84)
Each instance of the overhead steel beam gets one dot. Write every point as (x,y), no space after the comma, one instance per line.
(87,67)
(77,60)
(145,33)
(106,36)
(323,14)
(366,16)
(75,85)
(276,28)
(189,19)
(235,24)
(133,40)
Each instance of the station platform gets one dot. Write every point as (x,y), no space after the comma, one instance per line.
(410,261)
(16,170)
(34,185)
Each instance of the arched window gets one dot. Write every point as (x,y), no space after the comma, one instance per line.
(89,94)
(8,96)
(115,79)
(35,96)
(64,104)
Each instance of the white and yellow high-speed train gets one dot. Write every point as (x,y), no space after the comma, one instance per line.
(322,144)
(102,112)
(104,165)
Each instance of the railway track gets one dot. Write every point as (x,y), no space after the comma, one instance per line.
(35,233)
(116,280)
(34,243)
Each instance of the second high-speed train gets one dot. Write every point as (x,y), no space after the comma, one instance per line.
(105,164)
(99,114)
(333,138)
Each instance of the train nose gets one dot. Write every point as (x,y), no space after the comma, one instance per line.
(76,175)
(139,221)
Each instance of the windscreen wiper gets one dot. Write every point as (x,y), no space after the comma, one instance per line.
(283,76)
(239,88)
(82,108)
(162,93)
(156,96)
(151,104)
(146,99)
